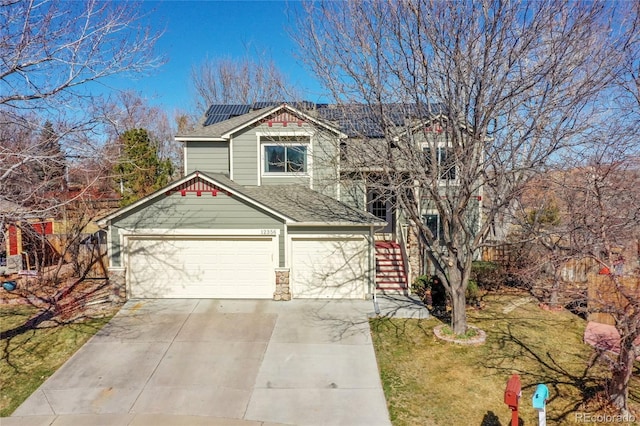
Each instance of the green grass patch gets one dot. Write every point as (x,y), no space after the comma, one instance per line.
(29,358)
(428,381)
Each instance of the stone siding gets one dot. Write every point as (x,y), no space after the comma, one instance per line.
(118,286)
(283,291)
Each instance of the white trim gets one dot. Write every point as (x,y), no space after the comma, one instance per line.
(307,159)
(231,165)
(191,232)
(258,159)
(110,249)
(335,224)
(287,248)
(184,156)
(199,139)
(327,236)
(310,133)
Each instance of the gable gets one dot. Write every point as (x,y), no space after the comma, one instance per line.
(198,186)
(222,126)
(284,118)
(196,204)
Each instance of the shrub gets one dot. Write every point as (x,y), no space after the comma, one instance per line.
(473,293)
(420,286)
(487,275)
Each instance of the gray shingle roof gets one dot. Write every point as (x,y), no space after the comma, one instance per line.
(300,203)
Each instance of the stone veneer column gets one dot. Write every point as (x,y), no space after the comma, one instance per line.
(413,253)
(118,286)
(283,291)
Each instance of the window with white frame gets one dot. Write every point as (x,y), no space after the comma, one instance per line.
(445,161)
(433,223)
(285,155)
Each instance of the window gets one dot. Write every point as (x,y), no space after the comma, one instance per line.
(446,162)
(379,209)
(285,156)
(432,221)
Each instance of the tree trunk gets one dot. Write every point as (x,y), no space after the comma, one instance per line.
(622,370)
(457,288)
(555,289)
(459,312)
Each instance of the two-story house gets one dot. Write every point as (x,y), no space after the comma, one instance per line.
(264,210)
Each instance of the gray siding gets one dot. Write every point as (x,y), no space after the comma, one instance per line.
(207,157)
(193,212)
(353,193)
(286,180)
(326,156)
(245,157)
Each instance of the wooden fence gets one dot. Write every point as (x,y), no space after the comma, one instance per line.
(607,293)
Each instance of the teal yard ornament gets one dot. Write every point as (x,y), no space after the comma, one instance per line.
(539,402)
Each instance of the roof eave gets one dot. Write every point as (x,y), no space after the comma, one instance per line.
(200,139)
(326,224)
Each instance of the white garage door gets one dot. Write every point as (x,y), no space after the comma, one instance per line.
(329,267)
(202,267)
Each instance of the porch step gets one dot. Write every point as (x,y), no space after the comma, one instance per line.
(390,275)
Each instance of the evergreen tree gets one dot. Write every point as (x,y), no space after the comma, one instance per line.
(50,162)
(140,171)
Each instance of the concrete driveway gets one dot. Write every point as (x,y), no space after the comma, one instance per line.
(219,362)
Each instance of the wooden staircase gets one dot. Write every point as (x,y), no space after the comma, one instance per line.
(390,271)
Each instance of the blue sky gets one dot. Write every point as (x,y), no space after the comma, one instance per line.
(195,30)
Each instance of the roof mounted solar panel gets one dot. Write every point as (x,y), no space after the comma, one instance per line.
(221,112)
(231,109)
(216,118)
(260,105)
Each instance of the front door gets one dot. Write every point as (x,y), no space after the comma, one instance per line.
(381,207)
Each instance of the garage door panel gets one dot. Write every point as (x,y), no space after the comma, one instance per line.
(201,268)
(329,268)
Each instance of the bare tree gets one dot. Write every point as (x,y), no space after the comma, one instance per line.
(598,220)
(54,54)
(597,189)
(52,49)
(243,81)
(491,90)
(57,59)
(128,110)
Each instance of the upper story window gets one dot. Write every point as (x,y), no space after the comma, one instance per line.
(445,160)
(285,155)
(432,221)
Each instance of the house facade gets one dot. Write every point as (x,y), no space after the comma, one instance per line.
(265,209)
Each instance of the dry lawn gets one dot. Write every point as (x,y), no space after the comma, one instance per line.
(431,382)
(30,357)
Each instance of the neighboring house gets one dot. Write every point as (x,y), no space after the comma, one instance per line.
(264,210)
(24,238)
(28,241)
